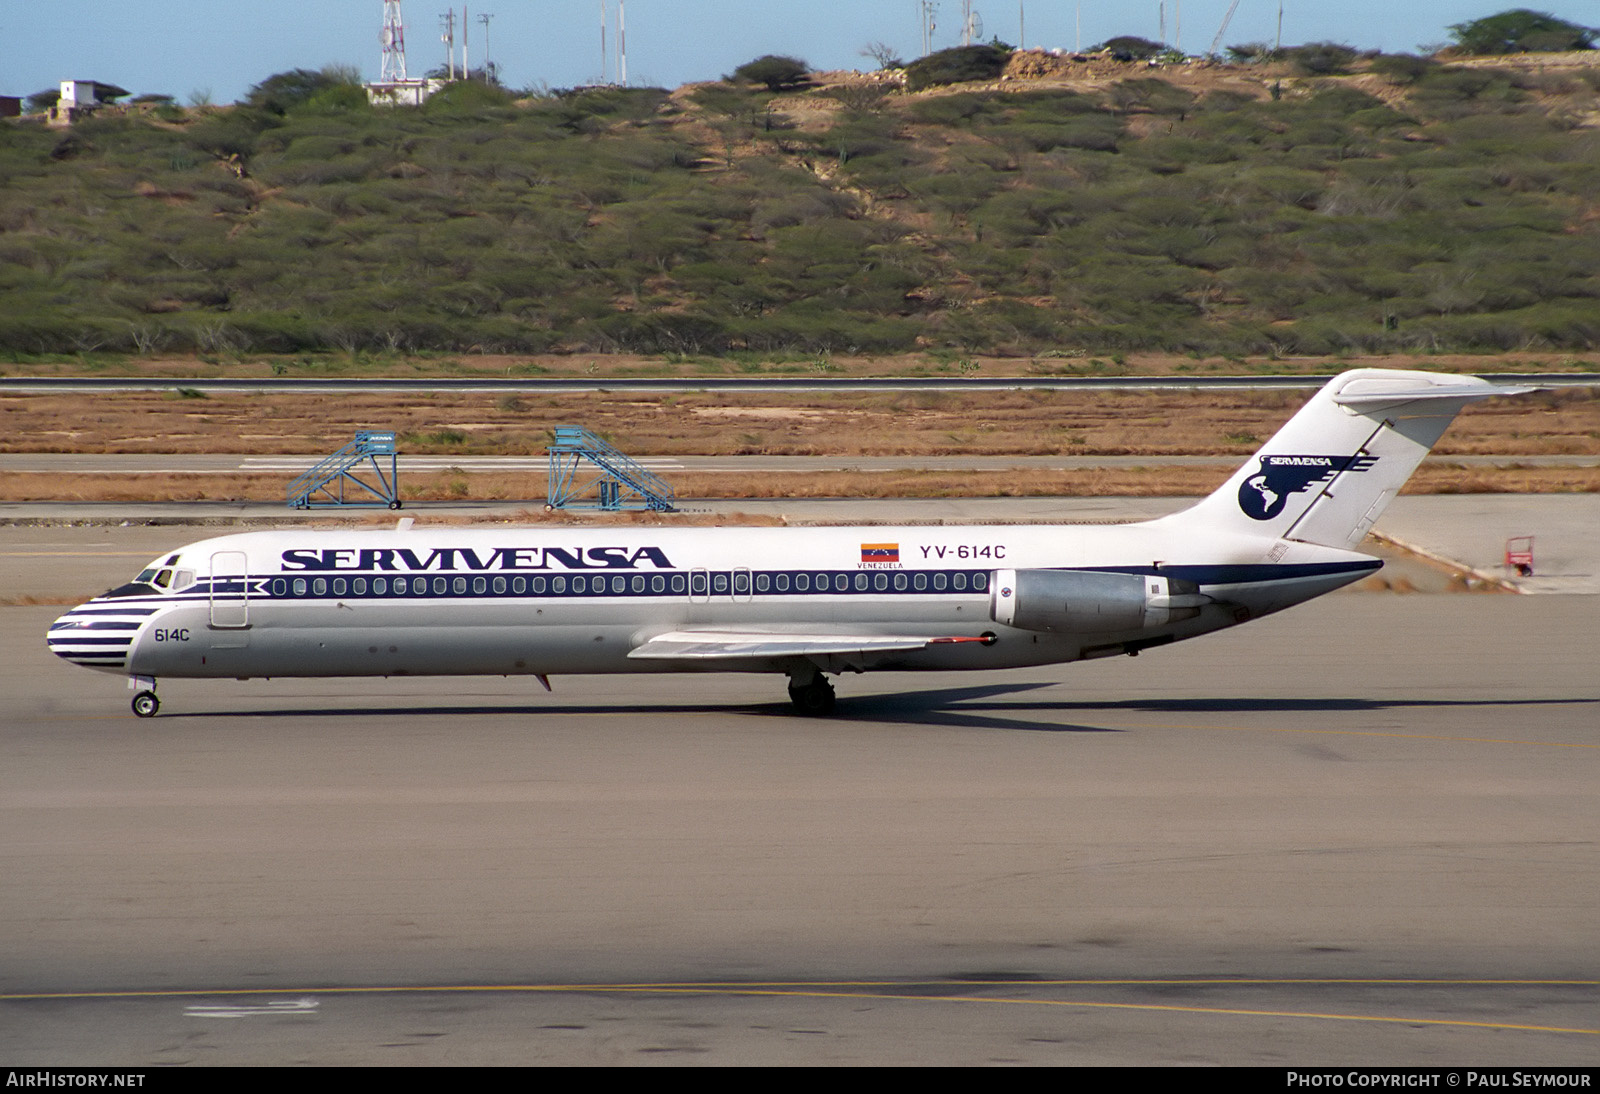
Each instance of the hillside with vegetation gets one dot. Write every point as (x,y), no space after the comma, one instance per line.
(1321,203)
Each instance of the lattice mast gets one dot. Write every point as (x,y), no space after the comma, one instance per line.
(393,37)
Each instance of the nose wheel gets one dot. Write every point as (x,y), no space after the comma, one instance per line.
(145,704)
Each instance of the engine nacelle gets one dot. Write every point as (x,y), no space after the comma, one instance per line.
(1087,602)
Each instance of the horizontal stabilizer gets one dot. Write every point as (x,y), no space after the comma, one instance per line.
(1367,395)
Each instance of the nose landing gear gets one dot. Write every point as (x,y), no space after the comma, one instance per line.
(145,703)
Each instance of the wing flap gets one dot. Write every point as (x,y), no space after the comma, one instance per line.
(753,645)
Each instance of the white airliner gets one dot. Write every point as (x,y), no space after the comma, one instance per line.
(802,602)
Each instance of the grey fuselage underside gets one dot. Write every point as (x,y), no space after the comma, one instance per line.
(335,637)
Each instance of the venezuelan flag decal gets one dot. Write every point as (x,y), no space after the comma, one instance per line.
(880,552)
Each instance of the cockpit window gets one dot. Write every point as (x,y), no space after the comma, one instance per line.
(145,584)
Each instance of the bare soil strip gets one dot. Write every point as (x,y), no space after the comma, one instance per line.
(1227,425)
(496,486)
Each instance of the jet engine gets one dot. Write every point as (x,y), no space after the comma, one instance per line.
(1090,602)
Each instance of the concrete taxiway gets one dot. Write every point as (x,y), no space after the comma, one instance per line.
(1359,832)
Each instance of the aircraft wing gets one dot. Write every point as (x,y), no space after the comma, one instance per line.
(710,645)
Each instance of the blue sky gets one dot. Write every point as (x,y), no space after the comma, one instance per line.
(178,47)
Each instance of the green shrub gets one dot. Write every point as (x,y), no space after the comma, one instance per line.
(1402,69)
(1320,58)
(339,99)
(1127,47)
(466,97)
(956,109)
(1250,53)
(234,133)
(773,72)
(962,64)
(1150,96)
(286,91)
(1522,31)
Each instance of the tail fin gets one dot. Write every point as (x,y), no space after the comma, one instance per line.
(1330,472)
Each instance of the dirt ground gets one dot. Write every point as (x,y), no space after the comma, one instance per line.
(1228,425)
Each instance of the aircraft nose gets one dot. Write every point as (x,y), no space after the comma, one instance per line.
(86,637)
(61,633)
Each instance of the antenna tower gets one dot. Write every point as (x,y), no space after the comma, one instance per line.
(393,37)
(449,38)
(971,23)
(622,42)
(620,45)
(488,66)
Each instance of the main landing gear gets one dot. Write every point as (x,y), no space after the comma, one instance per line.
(811,696)
(145,703)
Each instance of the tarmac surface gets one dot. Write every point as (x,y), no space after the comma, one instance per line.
(1359,832)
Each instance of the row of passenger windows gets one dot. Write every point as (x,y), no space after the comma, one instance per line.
(694,583)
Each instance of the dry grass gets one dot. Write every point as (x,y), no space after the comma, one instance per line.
(873,424)
(600,365)
(1227,425)
(530,488)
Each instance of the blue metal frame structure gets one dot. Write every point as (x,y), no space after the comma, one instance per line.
(322,487)
(622,483)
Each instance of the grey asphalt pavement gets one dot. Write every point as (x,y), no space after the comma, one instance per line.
(1361,831)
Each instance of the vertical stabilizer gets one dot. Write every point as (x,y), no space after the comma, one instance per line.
(1329,473)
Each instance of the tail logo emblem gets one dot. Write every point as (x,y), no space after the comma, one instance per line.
(1263,495)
